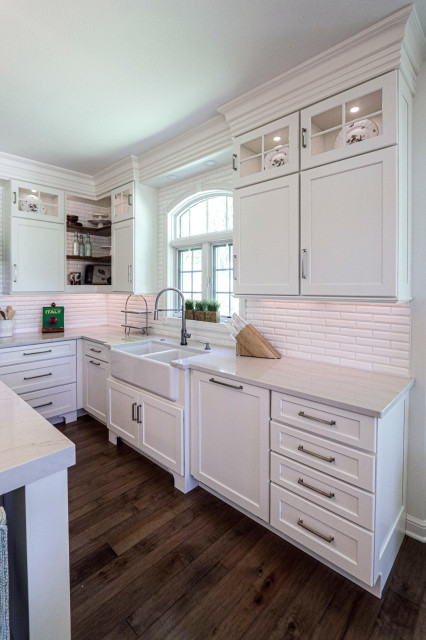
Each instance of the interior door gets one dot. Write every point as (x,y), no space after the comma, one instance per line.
(349,227)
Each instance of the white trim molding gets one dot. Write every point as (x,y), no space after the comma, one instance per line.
(395,42)
(112,177)
(416,528)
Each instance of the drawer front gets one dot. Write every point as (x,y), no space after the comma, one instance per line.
(339,461)
(37,352)
(341,425)
(39,375)
(333,538)
(53,402)
(339,497)
(96,350)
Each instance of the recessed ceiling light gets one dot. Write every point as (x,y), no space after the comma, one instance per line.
(277,138)
(354,109)
(172,176)
(210,163)
(33,190)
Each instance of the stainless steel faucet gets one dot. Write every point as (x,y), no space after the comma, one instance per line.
(183,333)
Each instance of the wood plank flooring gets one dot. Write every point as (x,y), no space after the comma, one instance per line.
(148,562)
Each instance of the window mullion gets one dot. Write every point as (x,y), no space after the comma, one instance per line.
(205,267)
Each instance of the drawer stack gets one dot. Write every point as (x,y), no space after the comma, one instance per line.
(95,374)
(323,481)
(42,374)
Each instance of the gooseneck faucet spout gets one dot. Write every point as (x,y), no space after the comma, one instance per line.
(183,332)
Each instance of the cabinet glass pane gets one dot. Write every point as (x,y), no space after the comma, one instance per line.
(364,116)
(34,201)
(276,147)
(251,157)
(118,204)
(325,129)
(126,199)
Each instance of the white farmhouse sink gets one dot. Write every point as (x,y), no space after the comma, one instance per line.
(147,365)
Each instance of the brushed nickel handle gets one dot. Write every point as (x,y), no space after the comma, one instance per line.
(224,384)
(129,271)
(97,364)
(46,404)
(304,145)
(95,350)
(317,455)
(317,533)
(234,163)
(42,375)
(234,265)
(327,494)
(14,197)
(15,268)
(134,405)
(129,200)
(138,414)
(304,252)
(306,415)
(34,353)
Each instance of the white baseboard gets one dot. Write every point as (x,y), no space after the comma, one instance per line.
(416,528)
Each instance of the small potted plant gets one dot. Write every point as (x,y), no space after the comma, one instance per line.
(189,309)
(212,313)
(200,309)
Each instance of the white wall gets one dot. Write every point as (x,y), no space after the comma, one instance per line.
(417,433)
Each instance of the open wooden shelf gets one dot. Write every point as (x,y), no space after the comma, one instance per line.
(101,260)
(96,231)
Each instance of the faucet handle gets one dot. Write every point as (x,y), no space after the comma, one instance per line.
(207,345)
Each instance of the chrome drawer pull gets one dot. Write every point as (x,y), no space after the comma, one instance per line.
(138,414)
(317,455)
(317,533)
(46,404)
(328,494)
(95,350)
(329,422)
(224,384)
(98,364)
(34,353)
(134,405)
(42,375)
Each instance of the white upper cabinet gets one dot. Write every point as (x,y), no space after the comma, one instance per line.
(34,202)
(349,230)
(122,203)
(268,152)
(266,238)
(353,122)
(122,241)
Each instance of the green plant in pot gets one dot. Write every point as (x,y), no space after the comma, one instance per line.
(213,313)
(189,309)
(200,309)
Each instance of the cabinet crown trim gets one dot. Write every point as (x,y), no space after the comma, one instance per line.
(395,42)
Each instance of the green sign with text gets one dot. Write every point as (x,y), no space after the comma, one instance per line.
(53,319)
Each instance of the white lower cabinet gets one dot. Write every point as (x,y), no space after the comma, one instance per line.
(95,373)
(153,426)
(230,440)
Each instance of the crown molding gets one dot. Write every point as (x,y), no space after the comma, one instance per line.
(371,53)
(120,173)
(15,167)
(197,143)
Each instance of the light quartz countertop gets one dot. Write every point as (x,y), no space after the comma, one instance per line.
(352,389)
(31,448)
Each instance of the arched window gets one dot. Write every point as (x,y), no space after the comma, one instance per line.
(202,243)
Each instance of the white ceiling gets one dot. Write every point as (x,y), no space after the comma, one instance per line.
(87,82)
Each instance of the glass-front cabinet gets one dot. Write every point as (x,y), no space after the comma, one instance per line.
(122,203)
(353,122)
(35,202)
(268,152)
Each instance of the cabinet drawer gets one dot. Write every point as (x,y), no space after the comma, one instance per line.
(335,459)
(339,497)
(96,350)
(39,375)
(345,426)
(37,352)
(53,402)
(344,544)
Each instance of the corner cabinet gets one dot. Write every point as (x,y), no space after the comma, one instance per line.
(134,239)
(34,239)
(354,209)
(230,440)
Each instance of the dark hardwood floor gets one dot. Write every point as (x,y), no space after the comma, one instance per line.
(149,562)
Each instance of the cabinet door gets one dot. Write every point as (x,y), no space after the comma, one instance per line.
(95,375)
(122,256)
(353,122)
(230,440)
(349,227)
(34,202)
(266,238)
(268,152)
(37,256)
(161,434)
(122,200)
(122,412)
